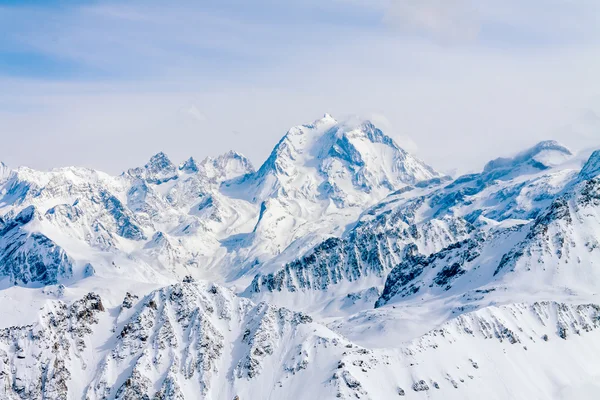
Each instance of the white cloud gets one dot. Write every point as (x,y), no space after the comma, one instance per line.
(443,20)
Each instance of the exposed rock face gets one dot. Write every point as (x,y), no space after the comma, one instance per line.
(562,234)
(30,257)
(373,248)
(181,335)
(424,281)
(158,170)
(37,361)
(443,267)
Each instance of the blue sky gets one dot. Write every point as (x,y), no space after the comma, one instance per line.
(107,84)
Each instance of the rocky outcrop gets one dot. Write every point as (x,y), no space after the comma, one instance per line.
(37,361)
(373,248)
(29,257)
(181,336)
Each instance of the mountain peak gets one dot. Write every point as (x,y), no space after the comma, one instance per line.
(326,118)
(189,166)
(346,162)
(26,215)
(159,162)
(227,166)
(542,156)
(159,169)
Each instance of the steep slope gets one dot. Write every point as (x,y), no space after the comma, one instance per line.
(553,253)
(30,257)
(591,168)
(415,223)
(218,218)
(180,342)
(372,276)
(348,163)
(317,180)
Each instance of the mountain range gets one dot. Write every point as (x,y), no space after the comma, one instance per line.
(343,267)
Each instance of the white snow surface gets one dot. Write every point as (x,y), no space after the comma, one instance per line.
(343,267)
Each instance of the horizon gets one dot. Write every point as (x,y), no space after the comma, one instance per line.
(582,153)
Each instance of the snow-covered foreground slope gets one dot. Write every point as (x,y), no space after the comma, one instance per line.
(342,268)
(199,340)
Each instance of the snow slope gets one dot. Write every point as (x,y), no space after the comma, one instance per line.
(342,268)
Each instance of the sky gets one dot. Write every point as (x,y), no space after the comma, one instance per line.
(457,82)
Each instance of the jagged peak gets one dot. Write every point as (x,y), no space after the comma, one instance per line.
(346,161)
(232,155)
(226,166)
(326,119)
(158,162)
(543,155)
(591,168)
(320,137)
(159,169)
(190,165)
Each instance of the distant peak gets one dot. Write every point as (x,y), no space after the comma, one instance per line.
(160,164)
(226,166)
(549,145)
(190,165)
(159,160)
(545,154)
(232,154)
(327,119)
(159,169)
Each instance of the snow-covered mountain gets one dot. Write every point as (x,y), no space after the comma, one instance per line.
(343,267)
(219,213)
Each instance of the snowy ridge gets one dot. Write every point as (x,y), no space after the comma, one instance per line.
(372,248)
(558,248)
(40,360)
(514,351)
(166,220)
(407,231)
(343,268)
(183,335)
(198,338)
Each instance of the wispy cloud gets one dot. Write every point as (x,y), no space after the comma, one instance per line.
(445,21)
